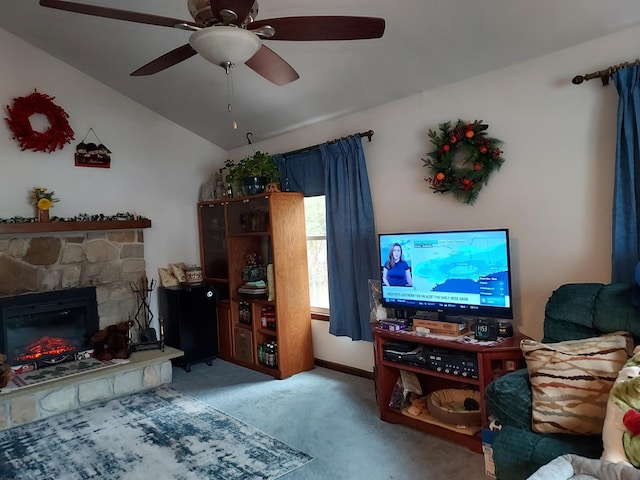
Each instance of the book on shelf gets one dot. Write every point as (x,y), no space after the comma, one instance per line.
(254,288)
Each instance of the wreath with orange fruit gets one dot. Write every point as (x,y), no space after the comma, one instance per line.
(463,175)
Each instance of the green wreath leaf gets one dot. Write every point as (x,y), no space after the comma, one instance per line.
(481,157)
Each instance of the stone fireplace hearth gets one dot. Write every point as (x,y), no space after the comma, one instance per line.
(144,370)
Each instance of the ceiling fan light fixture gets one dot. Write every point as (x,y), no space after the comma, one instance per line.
(221,45)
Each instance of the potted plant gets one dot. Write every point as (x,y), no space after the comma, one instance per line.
(230,177)
(253,173)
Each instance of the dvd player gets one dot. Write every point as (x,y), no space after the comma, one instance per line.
(404,352)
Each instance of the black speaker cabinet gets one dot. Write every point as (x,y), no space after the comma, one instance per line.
(190,322)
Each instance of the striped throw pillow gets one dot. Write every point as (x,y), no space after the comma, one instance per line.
(570,382)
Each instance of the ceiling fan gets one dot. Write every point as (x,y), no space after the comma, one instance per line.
(226,33)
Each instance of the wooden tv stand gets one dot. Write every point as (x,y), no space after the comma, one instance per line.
(493,361)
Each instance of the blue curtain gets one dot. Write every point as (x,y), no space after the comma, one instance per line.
(351,241)
(338,171)
(625,252)
(301,172)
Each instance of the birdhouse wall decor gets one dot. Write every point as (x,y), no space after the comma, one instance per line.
(92,154)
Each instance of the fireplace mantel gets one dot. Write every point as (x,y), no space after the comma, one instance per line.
(47,227)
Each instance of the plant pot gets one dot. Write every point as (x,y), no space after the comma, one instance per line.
(254,185)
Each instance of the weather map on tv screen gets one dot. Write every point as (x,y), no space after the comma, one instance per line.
(461,271)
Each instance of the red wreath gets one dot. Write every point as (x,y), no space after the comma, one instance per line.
(54,138)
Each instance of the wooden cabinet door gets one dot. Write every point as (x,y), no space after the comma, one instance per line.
(224,330)
(213,241)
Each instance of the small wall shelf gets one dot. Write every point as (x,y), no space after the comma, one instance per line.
(51,227)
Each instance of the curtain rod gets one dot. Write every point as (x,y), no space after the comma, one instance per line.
(368,134)
(603,75)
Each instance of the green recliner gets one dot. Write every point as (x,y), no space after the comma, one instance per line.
(574,311)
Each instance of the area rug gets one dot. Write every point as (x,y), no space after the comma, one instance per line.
(55,372)
(158,434)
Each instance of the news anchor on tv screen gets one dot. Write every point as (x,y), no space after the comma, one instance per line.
(396,271)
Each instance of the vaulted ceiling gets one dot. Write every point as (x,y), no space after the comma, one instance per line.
(426,44)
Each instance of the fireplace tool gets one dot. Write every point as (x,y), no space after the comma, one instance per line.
(144,315)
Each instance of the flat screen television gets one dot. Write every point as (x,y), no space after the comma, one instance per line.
(457,273)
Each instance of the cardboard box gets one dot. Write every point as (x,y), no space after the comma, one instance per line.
(449,329)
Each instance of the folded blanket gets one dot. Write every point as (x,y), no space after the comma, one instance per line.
(575,467)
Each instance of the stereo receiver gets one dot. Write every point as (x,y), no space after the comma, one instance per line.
(452,362)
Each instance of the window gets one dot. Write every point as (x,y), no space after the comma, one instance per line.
(316,224)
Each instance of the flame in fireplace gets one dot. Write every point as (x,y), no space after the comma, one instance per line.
(46,346)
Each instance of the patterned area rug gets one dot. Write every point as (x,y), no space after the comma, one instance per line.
(159,434)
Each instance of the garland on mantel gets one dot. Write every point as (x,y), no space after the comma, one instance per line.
(82,217)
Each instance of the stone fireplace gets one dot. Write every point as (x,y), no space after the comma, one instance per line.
(51,258)
(45,261)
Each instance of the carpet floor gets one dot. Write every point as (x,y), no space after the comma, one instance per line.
(159,434)
(333,417)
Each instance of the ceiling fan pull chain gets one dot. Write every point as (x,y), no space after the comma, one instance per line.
(228,66)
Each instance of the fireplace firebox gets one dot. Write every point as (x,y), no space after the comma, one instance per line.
(47,328)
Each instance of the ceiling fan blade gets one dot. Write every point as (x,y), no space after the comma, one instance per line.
(115,13)
(240,7)
(271,66)
(323,27)
(167,60)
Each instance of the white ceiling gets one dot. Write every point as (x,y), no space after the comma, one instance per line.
(427,44)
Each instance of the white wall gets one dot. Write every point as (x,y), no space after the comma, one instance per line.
(554,192)
(156,166)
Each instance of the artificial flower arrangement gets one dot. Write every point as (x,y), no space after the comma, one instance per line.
(43,199)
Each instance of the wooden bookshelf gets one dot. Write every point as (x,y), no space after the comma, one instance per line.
(271,227)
